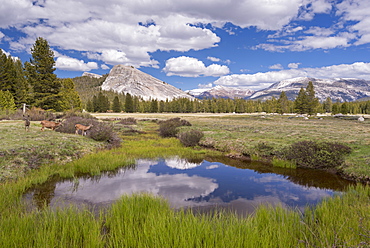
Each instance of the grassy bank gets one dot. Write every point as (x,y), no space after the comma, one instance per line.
(259,135)
(22,151)
(146,221)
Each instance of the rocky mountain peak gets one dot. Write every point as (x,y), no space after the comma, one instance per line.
(127,79)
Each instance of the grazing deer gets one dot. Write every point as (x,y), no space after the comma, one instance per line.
(50,124)
(27,123)
(82,128)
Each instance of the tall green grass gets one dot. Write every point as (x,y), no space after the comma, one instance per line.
(276,162)
(147,221)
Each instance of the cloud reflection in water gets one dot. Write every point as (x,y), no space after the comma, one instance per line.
(186,184)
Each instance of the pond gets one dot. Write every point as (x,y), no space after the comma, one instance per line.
(203,186)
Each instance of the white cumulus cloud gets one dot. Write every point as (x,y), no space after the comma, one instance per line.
(72,64)
(276,67)
(293,65)
(191,67)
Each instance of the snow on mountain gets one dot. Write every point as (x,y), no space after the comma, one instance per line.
(221,92)
(127,79)
(338,89)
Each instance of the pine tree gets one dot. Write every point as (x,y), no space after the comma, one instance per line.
(6,72)
(95,104)
(116,105)
(6,101)
(154,106)
(129,104)
(300,103)
(311,101)
(21,90)
(12,78)
(328,105)
(283,103)
(40,75)
(89,106)
(102,103)
(69,98)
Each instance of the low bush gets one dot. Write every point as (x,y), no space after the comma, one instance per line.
(128,121)
(263,149)
(34,114)
(69,123)
(190,137)
(100,131)
(321,155)
(169,128)
(83,115)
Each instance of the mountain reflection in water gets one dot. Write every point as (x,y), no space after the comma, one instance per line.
(203,186)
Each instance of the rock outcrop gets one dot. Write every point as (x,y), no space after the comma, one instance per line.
(92,75)
(127,79)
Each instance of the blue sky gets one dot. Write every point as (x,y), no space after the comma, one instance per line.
(196,44)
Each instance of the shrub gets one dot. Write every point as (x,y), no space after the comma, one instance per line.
(83,115)
(190,137)
(263,149)
(99,132)
(35,114)
(69,123)
(169,127)
(322,155)
(128,121)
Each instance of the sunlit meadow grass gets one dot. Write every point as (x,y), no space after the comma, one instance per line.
(147,221)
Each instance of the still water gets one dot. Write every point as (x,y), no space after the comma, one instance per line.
(223,183)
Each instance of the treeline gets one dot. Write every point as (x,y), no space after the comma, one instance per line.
(127,103)
(34,82)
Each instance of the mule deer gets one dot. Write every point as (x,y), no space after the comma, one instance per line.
(49,124)
(82,128)
(27,123)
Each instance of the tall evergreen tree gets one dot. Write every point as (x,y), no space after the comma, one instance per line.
(312,102)
(69,98)
(129,104)
(116,105)
(21,90)
(328,105)
(6,100)
(102,103)
(95,104)
(89,106)
(6,72)
(300,103)
(154,106)
(40,75)
(283,103)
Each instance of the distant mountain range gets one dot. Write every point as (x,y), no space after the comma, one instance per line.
(127,79)
(221,92)
(342,89)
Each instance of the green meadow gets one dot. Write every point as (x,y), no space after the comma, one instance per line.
(148,221)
